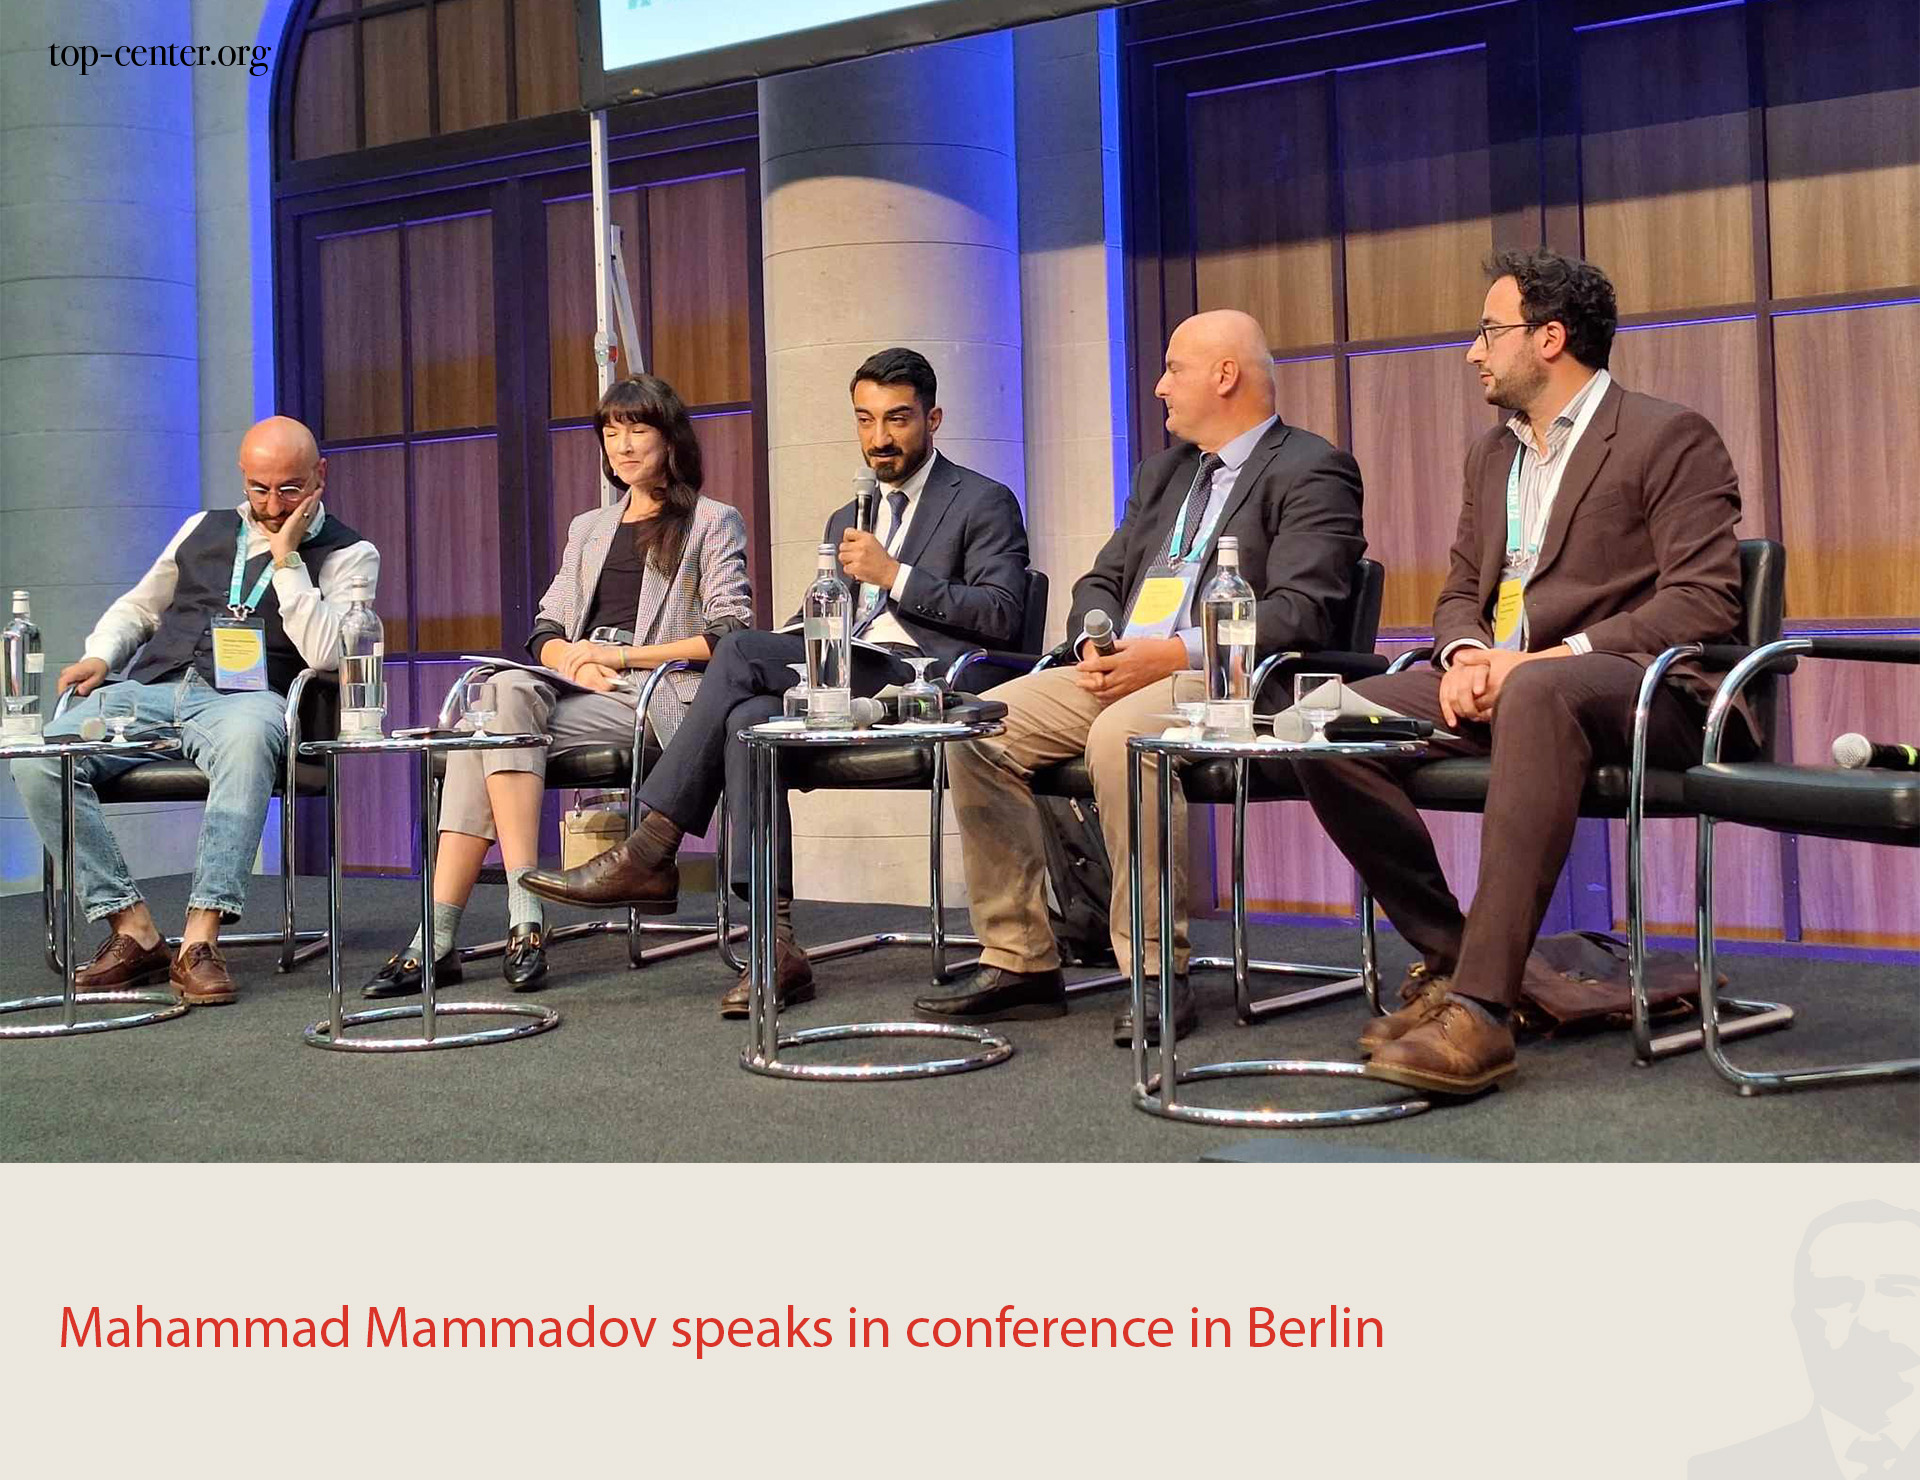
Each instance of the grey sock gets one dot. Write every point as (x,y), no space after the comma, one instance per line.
(446,929)
(523,906)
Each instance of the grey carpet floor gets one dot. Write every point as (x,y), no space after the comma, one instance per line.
(644,1069)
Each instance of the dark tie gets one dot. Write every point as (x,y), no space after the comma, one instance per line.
(876,598)
(1197,497)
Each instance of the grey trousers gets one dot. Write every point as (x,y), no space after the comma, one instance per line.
(525,704)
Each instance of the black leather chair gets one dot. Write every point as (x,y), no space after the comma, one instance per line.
(313,713)
(897,770)
(1637,791)
(1238,783)
(1865,806)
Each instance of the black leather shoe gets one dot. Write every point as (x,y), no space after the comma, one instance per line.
(400,977)
(1186,1014)
(525,964)
(992,995)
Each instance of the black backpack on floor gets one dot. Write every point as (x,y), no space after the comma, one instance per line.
(1079,879)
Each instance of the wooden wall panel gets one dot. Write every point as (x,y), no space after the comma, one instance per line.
(1413,147)
(546,58)
(1850,893)
(470,44)
(1664,160)
(1849,414)
(575,483)
(1415,413)
(1266,248)
(450,296)
(697,240)
(1712,368)
(394,63)
(367,487)
(323,103)
(1306,397)
(360,350)
(726,450)
(1747,883)
(571,373)
(1292,866)
(456,566)
(1843,144)
(326,8)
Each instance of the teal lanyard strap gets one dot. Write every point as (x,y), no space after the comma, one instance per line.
(1514,536)
(244,609)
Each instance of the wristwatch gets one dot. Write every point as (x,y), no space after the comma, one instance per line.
(289,561)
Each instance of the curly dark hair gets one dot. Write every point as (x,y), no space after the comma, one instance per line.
(1555,288)
(899,367)
(650,401)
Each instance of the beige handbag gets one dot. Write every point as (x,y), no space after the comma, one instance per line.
(592,826)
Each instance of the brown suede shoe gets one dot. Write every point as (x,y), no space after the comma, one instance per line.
(792,982)
(637,873)
(122,962)
(1423,992)
(199,975)
(1457,1051)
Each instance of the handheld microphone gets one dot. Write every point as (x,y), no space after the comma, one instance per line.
(93,729)
(1856,751)
(866,488)
(864,714)
(1098,629)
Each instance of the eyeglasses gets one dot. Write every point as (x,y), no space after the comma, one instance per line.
(1486,332)
(287,493)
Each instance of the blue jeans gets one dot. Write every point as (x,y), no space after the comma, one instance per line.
(239,740)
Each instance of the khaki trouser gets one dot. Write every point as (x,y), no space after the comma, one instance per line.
(1051,718)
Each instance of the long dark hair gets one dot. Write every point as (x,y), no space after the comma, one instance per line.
(650,401)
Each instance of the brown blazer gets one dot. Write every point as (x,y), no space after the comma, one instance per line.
(1639,553)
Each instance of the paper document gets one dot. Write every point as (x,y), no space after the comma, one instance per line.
(553,676)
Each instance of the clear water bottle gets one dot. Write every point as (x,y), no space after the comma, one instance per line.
(826,620)
(26,667)
(363,655)
(1226,634)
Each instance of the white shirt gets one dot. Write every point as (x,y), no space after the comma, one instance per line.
(1576,414)
(886,627)
(311,613)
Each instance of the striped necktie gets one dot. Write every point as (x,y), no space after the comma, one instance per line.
(1197,497)
(872,598)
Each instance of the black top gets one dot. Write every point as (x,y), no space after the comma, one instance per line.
(616,598)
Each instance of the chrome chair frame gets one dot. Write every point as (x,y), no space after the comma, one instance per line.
(1785,652)
(693,935)
(296,946)
(1753,1016)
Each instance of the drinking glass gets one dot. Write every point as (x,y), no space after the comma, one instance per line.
(920,701)
(116,709)
(477,695)
(793,704)
(1324,690)
(1194,712)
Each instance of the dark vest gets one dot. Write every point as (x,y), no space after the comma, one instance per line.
(184,638)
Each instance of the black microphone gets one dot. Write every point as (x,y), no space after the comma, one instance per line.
(866,488)
(1098,629)
(1856,751)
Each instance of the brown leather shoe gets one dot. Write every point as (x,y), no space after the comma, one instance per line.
(1457,1051)
(122,962)
(1423,992)
(633,873)
(792,982)
(199,975)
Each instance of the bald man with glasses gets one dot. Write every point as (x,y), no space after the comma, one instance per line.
(238,602)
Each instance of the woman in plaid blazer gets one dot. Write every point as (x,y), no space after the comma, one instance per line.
(659,576)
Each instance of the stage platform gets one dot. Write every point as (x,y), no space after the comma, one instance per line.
(644,1069)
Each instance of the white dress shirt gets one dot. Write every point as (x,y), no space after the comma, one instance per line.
(892,534)
(312,614)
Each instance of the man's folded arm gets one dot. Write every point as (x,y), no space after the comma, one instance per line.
(1310,559)
(313,614)
(989,598)
(1693,503)
(133,618)
(1105,584)
(1457,618)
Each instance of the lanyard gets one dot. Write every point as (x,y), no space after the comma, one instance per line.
(1206,529)
(1513,512)
(244,609)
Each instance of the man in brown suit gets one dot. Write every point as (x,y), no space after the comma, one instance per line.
(1596,530)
